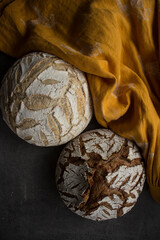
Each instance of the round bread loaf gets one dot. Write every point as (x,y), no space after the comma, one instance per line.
(100,175)
(45,100)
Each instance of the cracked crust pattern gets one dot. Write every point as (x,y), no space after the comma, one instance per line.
(100,175)
(45,100)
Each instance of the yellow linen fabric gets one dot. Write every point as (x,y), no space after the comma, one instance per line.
(117,43)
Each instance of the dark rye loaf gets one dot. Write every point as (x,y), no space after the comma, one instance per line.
(100,175)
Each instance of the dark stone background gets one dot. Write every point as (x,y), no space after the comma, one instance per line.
(31,208)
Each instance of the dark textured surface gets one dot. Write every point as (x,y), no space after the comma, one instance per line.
(31,208)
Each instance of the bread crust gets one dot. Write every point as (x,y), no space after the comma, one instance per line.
(100,175)
(45,100)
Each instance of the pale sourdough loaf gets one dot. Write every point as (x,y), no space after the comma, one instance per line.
(45,100)
(100,175)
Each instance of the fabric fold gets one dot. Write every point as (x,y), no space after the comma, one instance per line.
(155,192)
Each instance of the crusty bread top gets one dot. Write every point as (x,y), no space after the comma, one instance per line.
(45,100)
(100,175)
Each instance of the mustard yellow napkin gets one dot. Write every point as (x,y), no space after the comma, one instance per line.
(117,43)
